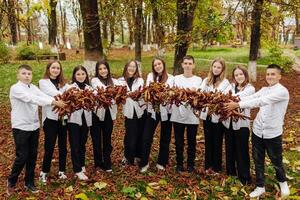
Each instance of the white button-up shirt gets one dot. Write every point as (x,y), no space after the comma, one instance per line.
(184,114)
(95,82)
(246,91)
(273,102)
(25,100)
(209,88)
(49,88)
(164,110)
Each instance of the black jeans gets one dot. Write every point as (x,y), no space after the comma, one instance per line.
(213,136)
(101,137)
(237,153)
(274,149)
(26,153)
(77,138)
(133,137)
(54,129)
(191,130)
(165,138)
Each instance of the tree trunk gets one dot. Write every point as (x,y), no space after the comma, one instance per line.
(297,16)
(185,17)
(63,21)
(10,6)
(93,49)
(144,30)
(159,32)
(255,38)
(149,31)
(138,30)
(18,23)
(104,30)
(52,23)
(122,32)
(112,28)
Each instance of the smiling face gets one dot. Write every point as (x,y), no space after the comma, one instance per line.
(80,76)
(239,76)
(131,69)
(273,76)
(25,76)
(217,68)
(188,65)
(158,66)
(103,71)
(54,70)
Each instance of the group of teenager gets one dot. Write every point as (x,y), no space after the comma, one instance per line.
(141,121)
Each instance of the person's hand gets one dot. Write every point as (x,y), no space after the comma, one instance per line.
(193,89)
(231,106)
(59,103)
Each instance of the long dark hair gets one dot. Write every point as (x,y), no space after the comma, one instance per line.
(109,78)
(245,72)
(77,68)
(125,73)
(164,76)
(60,77)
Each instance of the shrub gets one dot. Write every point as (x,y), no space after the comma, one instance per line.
(26,52)
(5,52)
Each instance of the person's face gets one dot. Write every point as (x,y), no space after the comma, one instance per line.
(188,65)
(103,71)
(25,76)
(131,69)
(54,70)
(80,76)
(239,76)
(158,66)
(217,68)
(273,76)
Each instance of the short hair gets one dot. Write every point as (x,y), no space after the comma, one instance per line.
(274,66)
(188,57)
(27,67)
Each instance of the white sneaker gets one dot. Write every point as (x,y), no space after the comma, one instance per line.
(109,170)
(43,178)
(160,167)
(144,169)
(137,160)
(284,189)
(81,176)
(124,161)
(62,176)
(83,169)
(257,192)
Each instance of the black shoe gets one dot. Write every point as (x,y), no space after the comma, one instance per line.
(31,188)
(191,169)
(179,168)
(10,188)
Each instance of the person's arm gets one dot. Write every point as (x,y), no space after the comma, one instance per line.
(248,90)
(224,84)
(275,97)
(203,85)
(149,77)
(253,96)
(47,89)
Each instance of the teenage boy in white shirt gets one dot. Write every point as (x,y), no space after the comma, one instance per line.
(267,128)
(25,99)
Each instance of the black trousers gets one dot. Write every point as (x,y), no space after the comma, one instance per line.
(54,129)
(77,138)
(101,137)
(274,149)
(237,153)
(191,130)
(213,136)
(26,153)
(165,138)
(133,137)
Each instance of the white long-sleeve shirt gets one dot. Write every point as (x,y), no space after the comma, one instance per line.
(246,91)
(183,114)
(209,88)
(164,110)
(273,102)
(76,117)
(49,88)
(95,82)
(130,105)
(25,100)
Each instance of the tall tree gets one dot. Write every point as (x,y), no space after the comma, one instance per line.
(52,23)
(63,21)
(93,49)
(158,25)
(78,19)
(11,8)
(255,38)
(185,17)
(138,30)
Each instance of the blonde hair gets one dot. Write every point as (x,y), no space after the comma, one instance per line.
(216,80)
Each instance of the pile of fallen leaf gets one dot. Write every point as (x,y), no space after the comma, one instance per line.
(155,94)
